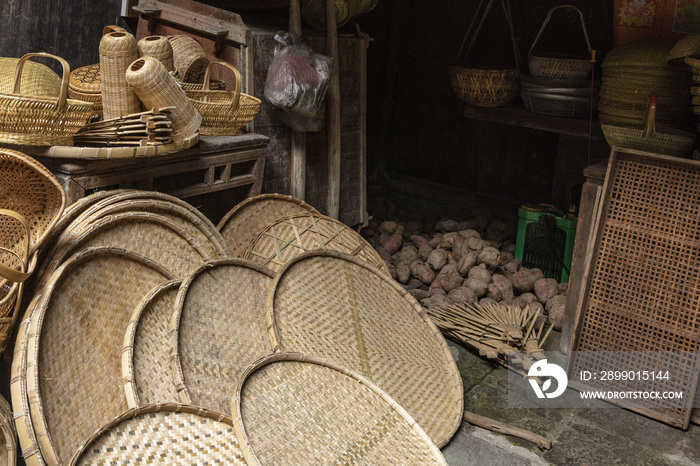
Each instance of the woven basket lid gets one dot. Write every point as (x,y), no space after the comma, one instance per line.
(74,345)
(8,435)
(145,372)
(284,239)
(149,235)
(354,421)
(163,433)
(245,219)
(86,79)
(339,307)
(218,329)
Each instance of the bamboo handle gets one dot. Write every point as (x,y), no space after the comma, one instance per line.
(549,16)
(650,117)
(9,273)
(63,95)
(497,426)
(237,92)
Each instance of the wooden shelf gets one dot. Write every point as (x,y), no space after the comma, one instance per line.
(519,116)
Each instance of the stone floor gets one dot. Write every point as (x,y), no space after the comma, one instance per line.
(580,436)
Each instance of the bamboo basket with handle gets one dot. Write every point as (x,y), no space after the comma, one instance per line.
(223,112)
(37,120)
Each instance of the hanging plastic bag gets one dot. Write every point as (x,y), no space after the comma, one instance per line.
(296,83)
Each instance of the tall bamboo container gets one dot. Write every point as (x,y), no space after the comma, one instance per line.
(117,51)
(157,89)
(159,48)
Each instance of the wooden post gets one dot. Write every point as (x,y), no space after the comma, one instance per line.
(298,149)
(333,114)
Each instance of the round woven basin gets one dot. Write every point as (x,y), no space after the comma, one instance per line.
(485,88)
(341,308)
(218,329)
(240,225)
(353,421)
(145,369)
(74,345)
(165,434)
(286,238)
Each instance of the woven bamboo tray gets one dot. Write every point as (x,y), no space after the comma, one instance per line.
(218,329)
(8,435)
(245,219)
(74,345)
(354,421)
(643,239)
(284,239)
(145,372)
(339,307)
(116,152)
(163,433)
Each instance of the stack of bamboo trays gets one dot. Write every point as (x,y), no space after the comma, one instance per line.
(138,129)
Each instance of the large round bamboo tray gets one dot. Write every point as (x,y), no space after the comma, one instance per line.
(353,420)
(39,120)
(339,307)
(240,224)
(37,78)
(112,152)
(284,239)
(163,433)
(218,329)
(145,372)
(74,345)
(8,434)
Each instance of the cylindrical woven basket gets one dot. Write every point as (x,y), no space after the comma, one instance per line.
(556,65)
(224,112)
(158,47)
(189,58)
(329,413)
(157,89)
(117,51)
(38,120)
(86,84)
(485,88)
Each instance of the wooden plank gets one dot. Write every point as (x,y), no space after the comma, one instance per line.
(298,146)
(333,114)
(197,17)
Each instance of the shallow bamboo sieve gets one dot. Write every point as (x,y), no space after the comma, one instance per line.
(117,51)
(159,48)
(157,89)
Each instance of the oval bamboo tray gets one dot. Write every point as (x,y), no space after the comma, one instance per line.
(284,239)
(218,329)
(354,421)
(165,433)
(145,372)
(240,224)
(339,307)
(74,345)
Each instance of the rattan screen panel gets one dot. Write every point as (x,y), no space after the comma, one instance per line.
(145,364)
(641,279)
(164,434)
(291,409)
(339,307)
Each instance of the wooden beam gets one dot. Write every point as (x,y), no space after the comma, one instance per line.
(298,149)
(333,114)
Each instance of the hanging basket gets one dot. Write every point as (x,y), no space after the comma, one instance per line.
(485,88)
(558,65)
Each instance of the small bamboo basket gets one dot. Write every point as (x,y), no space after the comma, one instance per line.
(36,120)
(86,84)
(159,48)
(117,51)
(189,58)
(559,66)
(224,112)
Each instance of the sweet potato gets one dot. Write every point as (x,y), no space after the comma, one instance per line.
(435,240)
(487,302)
(524,279)
(524,300)
(390,245)
(418,240)
(556,307)
(436,301)
(437,259)
(448,279)
(422,272)
(465,264)
(500,289)
(418,294)
(424,251)
(462,295)
(477,286)
(403,272)
(388,226)
(489,256)
(481,273)
(446,225)
(545,289)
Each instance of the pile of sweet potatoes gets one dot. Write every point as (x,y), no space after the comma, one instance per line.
(462,262)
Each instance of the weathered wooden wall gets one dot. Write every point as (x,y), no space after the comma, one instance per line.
(70,29)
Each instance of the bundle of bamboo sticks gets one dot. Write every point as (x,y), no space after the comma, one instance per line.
(137,129)
(505,333)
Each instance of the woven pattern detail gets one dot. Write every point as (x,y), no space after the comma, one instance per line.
(286,238)
(647,247)
(87,78)
(168,437)
(352,424)
(485,88)
(37,78)
(218,119)
(343,310)
(77,336)
(220,331)
(117,51)
(147,371)
(159,48)
(189,58)
(240,225)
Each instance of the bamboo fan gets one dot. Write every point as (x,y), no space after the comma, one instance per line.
(495,331)
(142,129)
